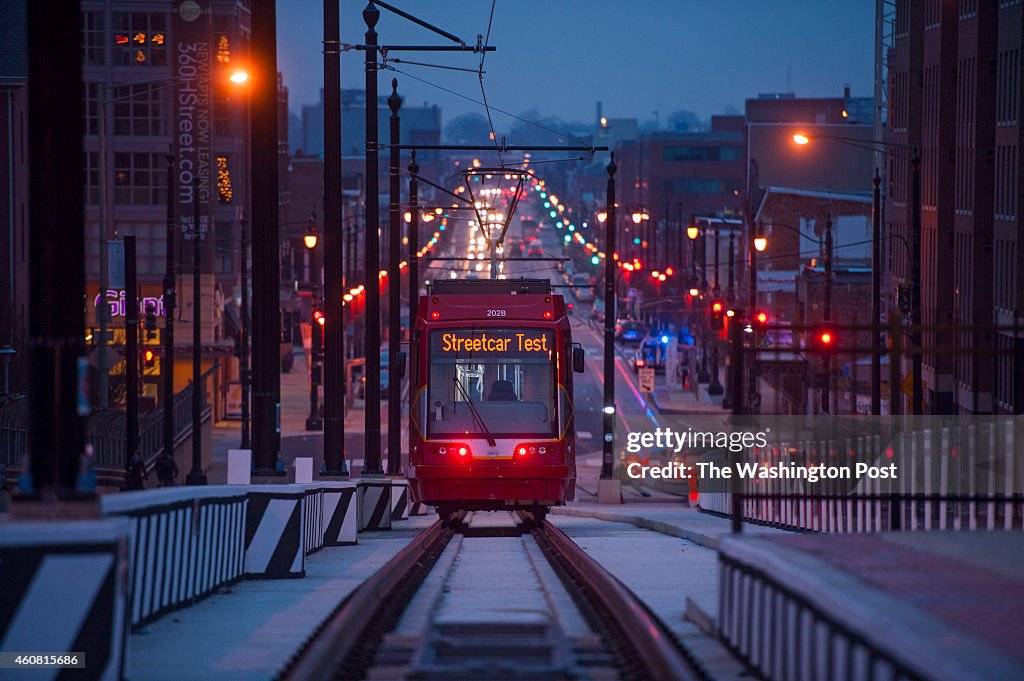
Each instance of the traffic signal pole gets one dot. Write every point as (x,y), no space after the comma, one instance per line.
(394,289)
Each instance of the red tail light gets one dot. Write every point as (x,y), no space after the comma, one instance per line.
(640,362)
(530,450)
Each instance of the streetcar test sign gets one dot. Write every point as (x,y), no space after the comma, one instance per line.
(492,342)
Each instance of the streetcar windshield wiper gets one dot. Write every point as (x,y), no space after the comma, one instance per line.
(476,415)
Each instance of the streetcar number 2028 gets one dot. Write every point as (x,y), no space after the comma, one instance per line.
(497,313)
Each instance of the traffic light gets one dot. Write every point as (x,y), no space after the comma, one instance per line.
(717,310)
(761,320)
(318,317)
(824,339)
(149,358)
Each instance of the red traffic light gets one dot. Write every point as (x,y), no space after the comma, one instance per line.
(149,357)
(824,339)
(761,318)
(716,307)
(318,317)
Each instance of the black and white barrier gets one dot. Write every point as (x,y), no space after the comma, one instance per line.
(274,546)
(340,521)
(64,590)
(399,499)
(419,508)
(313,518)
(374,499)
(186,542)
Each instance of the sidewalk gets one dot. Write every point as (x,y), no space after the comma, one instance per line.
(250,631)
(947,603)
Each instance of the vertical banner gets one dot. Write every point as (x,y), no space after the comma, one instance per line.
(193,116)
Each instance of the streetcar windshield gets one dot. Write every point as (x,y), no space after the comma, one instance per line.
(507,375)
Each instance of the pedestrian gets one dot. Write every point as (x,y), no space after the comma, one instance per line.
(135,472)
(166,469)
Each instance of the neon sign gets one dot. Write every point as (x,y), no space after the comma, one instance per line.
(147,305)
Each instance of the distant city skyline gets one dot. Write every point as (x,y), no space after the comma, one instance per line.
(637,59)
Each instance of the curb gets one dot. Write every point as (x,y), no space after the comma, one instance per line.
(644,523)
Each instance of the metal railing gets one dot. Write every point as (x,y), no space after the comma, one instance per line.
(105,430)
(949,478)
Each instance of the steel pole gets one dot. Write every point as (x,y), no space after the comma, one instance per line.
(876,294)
(170,284)
(196,476)
(57,247)
(244,369)
(316,333)
(609,324)
(394,288)
(131,346)
(371,461)
(335,252)
(266,263)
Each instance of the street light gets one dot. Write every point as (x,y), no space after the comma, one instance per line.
(309,238)
(802,139)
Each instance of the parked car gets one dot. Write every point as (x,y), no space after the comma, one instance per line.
(630,331)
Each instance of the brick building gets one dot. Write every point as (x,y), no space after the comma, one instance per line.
(955,90)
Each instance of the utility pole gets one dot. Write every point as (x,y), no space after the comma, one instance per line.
(876,294)
(58,403)
(266,269)
(170,284)
(131,346)
(827,397)
(394,289)
(607,485)
(414,245)
(335,387)
(371,460)
(196,476)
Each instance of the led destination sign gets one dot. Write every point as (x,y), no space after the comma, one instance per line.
(492,342)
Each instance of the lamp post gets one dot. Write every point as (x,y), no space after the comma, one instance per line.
(394,287)
(313,421)
(803,139)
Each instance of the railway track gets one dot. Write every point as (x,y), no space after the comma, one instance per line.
(491,596)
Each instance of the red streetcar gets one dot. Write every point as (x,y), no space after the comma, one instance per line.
(491,409)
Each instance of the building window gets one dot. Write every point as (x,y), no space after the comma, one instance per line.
(1007,87)
(139,110)
(140,178)
(968,9)
(701,153)
(226,247)
(224,190)
(92,177)
(92,38)
(1006,183)
(932,14)
(140,39)
(92,112)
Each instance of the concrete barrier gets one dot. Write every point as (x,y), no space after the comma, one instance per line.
(374,500)
(274,534)
(65,590)
(399,499)
(186,542)
(340,520)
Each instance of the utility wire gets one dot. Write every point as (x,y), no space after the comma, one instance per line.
(483,90)
(494,108)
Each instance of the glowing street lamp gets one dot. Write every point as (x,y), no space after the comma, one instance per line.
(760,243)
(692,232)
(309,238)
(801,139)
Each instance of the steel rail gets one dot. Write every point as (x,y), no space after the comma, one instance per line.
(619,610)
(337,637)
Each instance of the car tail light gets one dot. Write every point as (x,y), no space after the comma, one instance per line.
(454,450)
(435,314)
(639,362)
(547,314)
(529,450)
